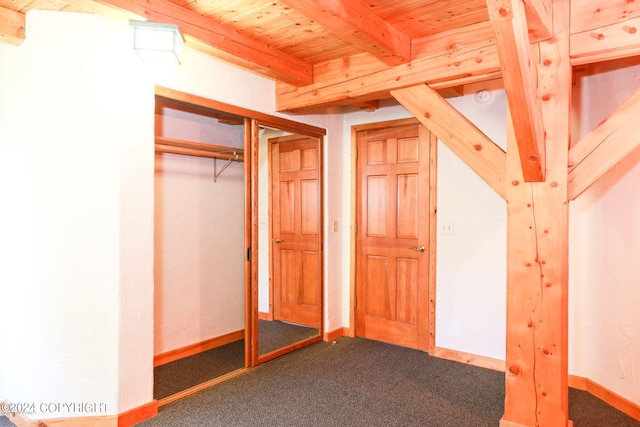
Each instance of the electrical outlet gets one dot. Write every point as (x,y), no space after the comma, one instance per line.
(446,228)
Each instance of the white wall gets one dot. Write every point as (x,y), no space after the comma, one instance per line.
(199,236)
(604,267)
(471,263)
(76,114)
(76,240)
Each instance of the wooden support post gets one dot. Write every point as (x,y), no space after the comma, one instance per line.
(537,254)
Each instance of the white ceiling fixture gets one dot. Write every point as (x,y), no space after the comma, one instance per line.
(157,43)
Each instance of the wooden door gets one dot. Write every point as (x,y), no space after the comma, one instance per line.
(296,229)
(392,301)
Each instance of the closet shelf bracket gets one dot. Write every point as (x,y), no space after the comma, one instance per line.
(217,173)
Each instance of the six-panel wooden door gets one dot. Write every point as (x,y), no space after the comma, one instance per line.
(296,241)
(392,258)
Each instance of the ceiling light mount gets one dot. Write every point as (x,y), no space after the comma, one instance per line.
(157,42)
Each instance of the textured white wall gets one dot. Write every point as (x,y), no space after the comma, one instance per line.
(604,267)
(471,263)
(77,157)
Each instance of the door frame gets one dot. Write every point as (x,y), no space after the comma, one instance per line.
(431,248)
(252,121)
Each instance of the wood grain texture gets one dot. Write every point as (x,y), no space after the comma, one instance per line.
(355,22)
(537,255)
(520,81)
(286,43)
(539,19)
(590,15)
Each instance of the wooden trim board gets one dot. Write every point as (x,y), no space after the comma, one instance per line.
(580,383)
(199,347)
(136,415)
(190,101)
(335,334)
(125,419)
(620,403)
(264,316)
(98,421)
(469,359)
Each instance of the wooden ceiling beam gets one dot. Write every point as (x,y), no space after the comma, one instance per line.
(446,59)
(468,142)
(589,15)
(605,43)
(223,41)
(466,55)
(604,147)
(12,26)
(519,74)
(355,22)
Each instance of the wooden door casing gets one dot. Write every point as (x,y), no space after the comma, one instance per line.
(393,200)
(296,229)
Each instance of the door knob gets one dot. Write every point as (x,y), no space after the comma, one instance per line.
(277,240)
(418,248)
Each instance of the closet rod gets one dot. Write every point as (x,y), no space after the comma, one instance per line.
(199,149)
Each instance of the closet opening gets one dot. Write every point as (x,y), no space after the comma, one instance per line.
(215,200)
(199,298)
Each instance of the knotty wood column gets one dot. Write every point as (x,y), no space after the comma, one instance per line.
(537,254)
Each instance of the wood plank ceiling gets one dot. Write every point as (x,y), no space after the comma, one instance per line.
(325,53)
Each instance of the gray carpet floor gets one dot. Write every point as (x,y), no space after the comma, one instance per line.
(274,335)
(190,371)
(357,382)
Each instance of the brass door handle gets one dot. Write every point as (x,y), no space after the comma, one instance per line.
(420,248)
(277,240)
